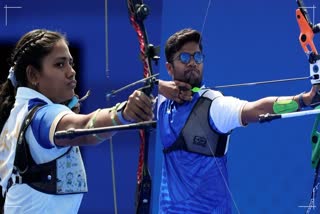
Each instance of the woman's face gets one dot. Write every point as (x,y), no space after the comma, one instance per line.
(57,78)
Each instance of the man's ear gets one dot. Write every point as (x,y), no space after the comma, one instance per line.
(169,67)
(32,75)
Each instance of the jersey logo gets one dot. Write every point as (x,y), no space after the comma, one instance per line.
(201,141)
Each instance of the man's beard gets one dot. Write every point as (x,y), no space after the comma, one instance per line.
(192,77)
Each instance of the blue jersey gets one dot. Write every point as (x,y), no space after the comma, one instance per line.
(43,119)
(190,183)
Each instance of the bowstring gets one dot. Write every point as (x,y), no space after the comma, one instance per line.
(205,17)
(114,187)
(220,170)
(215,160)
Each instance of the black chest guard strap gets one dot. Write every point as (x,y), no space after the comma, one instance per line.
(41,177)
(197,136)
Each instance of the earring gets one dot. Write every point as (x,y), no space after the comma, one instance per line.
(35,84)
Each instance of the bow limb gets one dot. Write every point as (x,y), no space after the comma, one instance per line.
(315,157)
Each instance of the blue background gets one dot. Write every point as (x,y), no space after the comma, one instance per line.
(244,41)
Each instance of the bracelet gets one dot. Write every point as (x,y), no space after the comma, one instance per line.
(114,108)
(92,124)
(122,119)
(301,102)
(113,114)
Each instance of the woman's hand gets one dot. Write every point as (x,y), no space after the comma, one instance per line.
(139,107)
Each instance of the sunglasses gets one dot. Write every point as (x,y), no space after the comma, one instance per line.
(185,57)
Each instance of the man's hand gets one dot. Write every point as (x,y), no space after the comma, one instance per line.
(313,96)
(175,90)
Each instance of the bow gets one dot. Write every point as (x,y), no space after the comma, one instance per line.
(138,12)
(307,32)
(306,40)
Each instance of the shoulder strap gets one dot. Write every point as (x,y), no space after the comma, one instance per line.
(23,157)
(211,94)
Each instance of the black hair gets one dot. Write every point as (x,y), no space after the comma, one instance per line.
(179,39)
(29,50)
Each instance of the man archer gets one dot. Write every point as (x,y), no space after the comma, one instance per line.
(195,134)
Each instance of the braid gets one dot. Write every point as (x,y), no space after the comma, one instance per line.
(30,50)
(26,47)
(7,98)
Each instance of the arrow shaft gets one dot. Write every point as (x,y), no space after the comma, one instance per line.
(114,92)
(263,82)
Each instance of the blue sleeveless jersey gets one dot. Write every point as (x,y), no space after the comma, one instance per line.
(190,183)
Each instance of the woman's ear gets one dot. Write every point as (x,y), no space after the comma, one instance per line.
(32,75)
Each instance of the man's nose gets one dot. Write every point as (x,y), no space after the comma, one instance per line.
(192,62)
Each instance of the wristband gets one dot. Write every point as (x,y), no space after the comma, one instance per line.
(122,119)
(301,102)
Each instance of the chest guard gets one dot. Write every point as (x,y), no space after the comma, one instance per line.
(197,136)
(63,175)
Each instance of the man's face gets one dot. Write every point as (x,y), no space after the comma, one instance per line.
(190,72)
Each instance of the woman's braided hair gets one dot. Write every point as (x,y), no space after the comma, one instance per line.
(29,50)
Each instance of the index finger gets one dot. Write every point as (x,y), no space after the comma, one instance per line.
(182,85)
(145,99)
